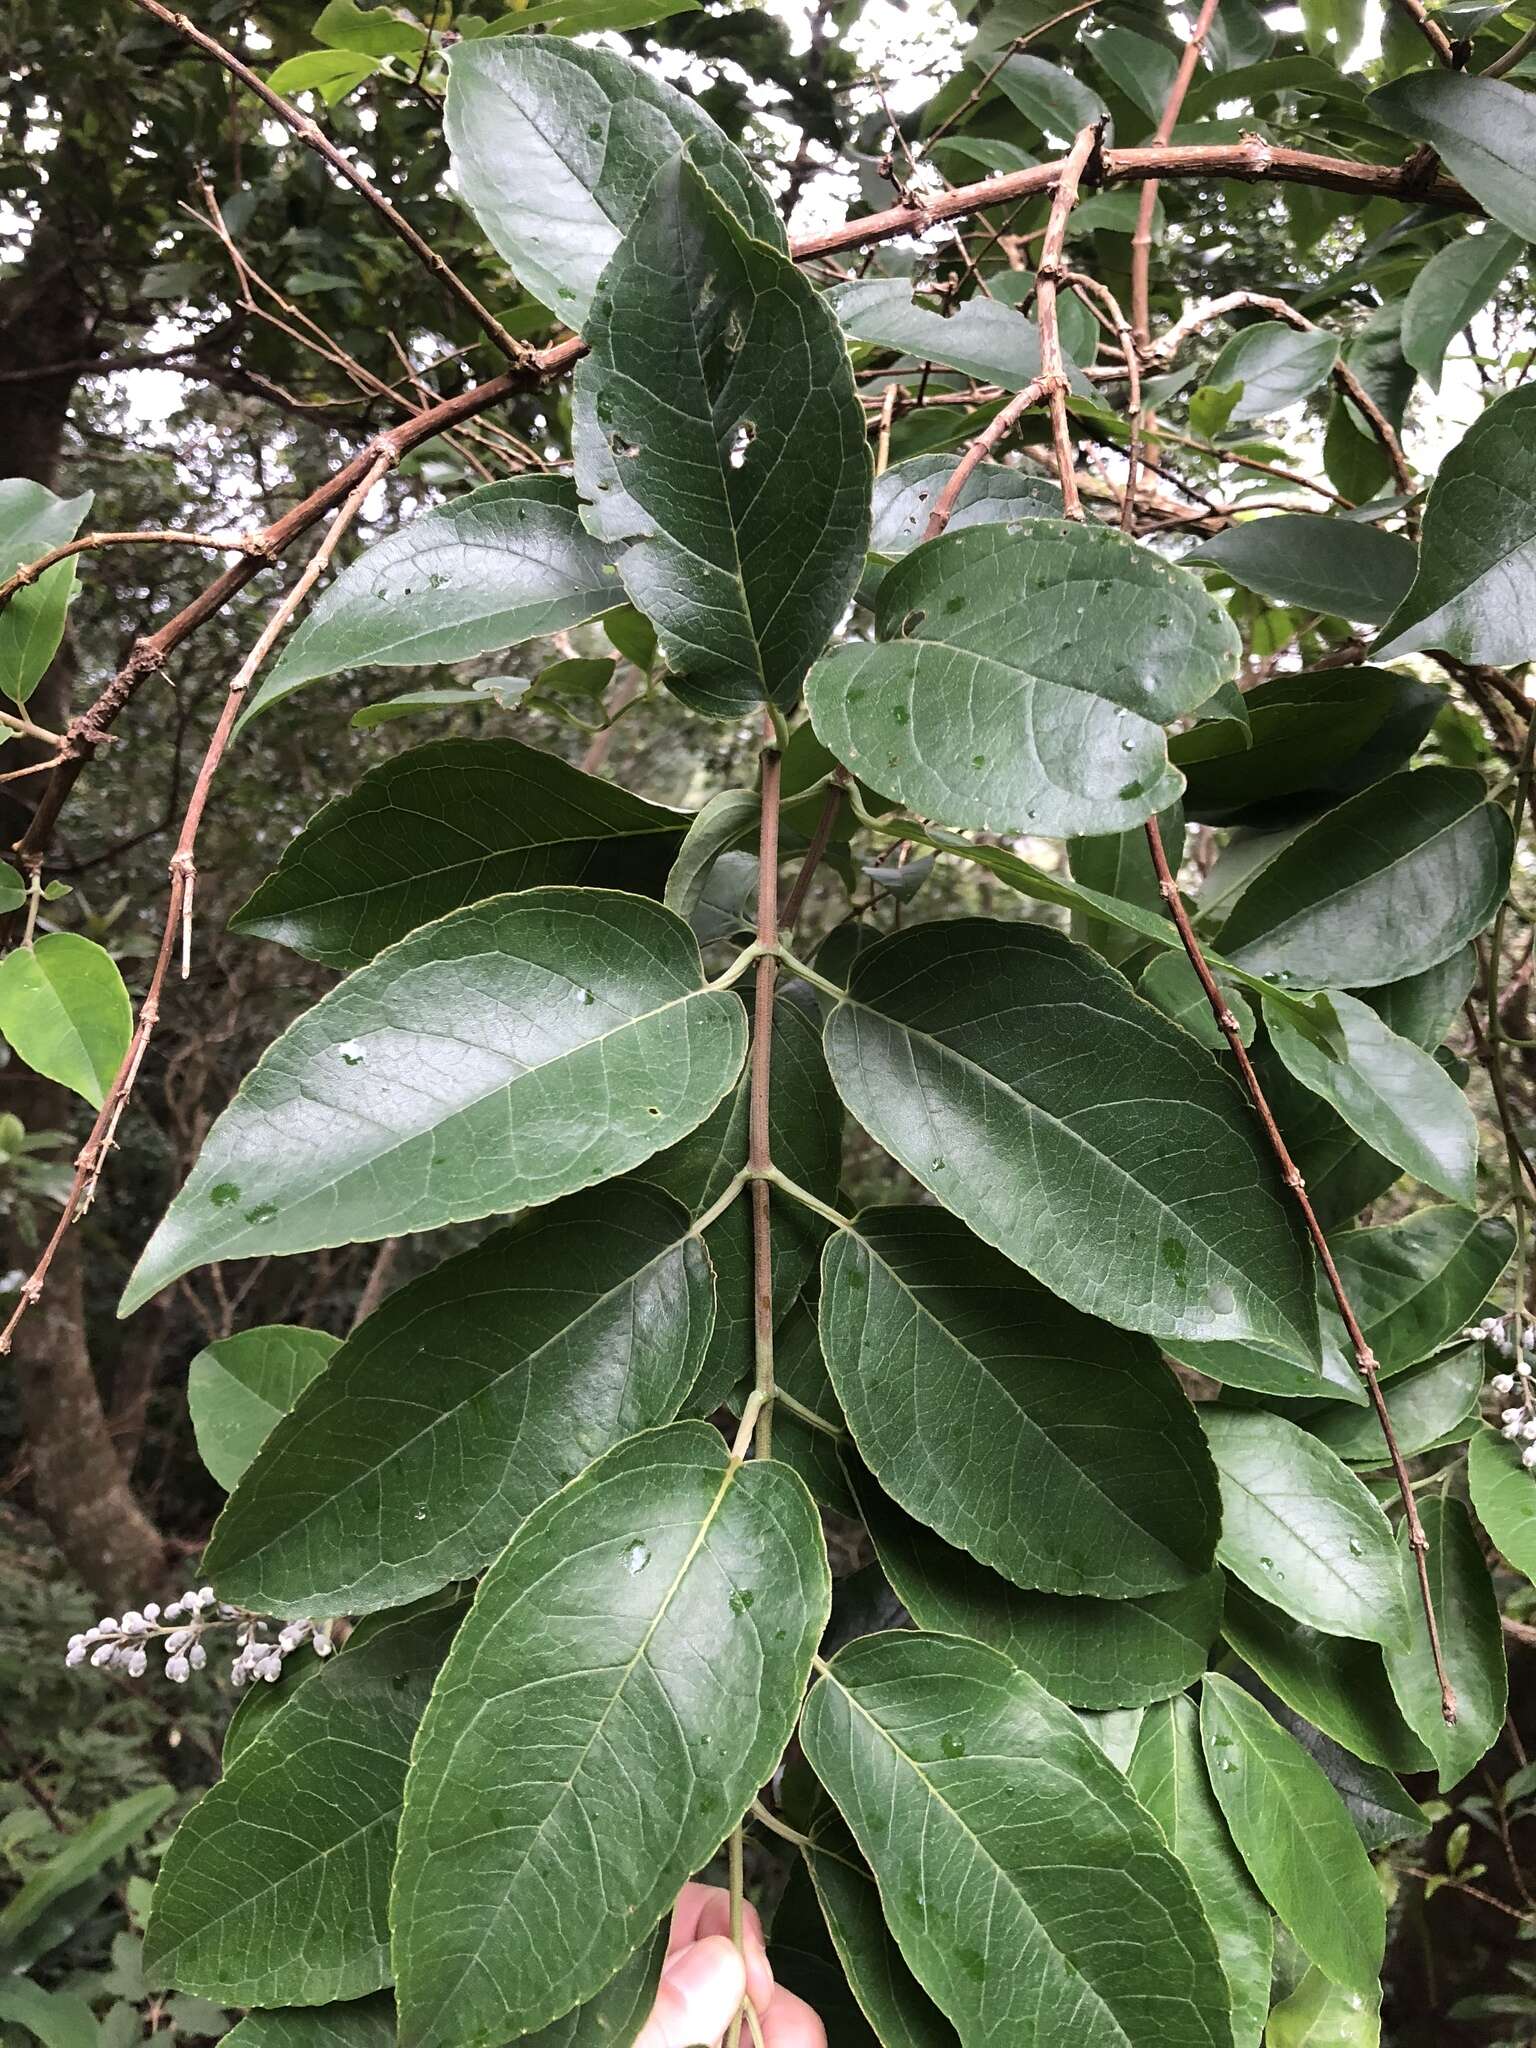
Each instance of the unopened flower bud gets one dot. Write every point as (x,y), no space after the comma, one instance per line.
(138,1662)
(176,1669)
(322,1645)
(1528,1456)
(197,1656)
(1503,1383)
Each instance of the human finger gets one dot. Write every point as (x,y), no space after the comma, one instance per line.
(789,2022)
(700,1992)
(715,1918)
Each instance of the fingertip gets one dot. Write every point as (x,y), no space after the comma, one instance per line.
(790,2023)
(701,1989)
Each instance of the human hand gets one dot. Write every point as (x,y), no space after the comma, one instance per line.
(702,1982)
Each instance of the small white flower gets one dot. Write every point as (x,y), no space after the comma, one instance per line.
(174,1611)
(1503,1383)
(132,1623)
(138,1662)
(1512,1415)
(176,1669)
(1511,1429)
(178,1639)
(197,1656)
(108,1624)
(1528,1455)
(322,1646)
(151,1610)
(74,1655)
(103,1654)
(293,1635)
(1524,1368)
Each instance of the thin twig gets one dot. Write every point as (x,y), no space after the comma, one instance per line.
(88,543)
(996,429)
(1048,276)
(759,1092)
(1125,335)
(1365,1360)
(1141,238)
(815,853)
(1430,29)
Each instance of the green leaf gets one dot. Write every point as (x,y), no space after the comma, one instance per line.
(300,1833)
(719,433)
(1310,739)
(1338,566)
(1394,1096)
(1168,1775)
(1392,882)
(960,1049)
(106,1835)
(1174,987)
(725,821)
(1416,1282)
(331,73)
(495,693)
(1143,70)
(449,824)
(1055,100)
(1028,1890)
(504,1056)
(503,564)
(1504,1495)
(1119,864)
(1277,366)
(378,31)
(805,1961)
(1021,678)
(906,493)
(628,1677)
(982,337)
(32,522)
(896,2005)
(1211,408)
(1336,1682)
(360,2023)
(1318,2014)
(585,17)
(1425,1006)
(65,1012)
(1471,1641)
(465,1401)
(1088,1652)
(1454,285)
(59,2019)
(1294,1835)
(1482,129)
(555,148)
(239,1387)
(1476,588)
(1301,1530)
(1053,1448)
(1425,1405)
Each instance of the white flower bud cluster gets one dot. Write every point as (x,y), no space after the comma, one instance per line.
(124,1643)
(1517,1422)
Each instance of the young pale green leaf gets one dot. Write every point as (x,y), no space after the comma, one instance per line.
(895,2004)
(1471,1642)
(1031,1895)
(1337,1683)
(1276,364)
(1054,1448)
(466,1400)
(1415,1283)
(1425,1405)
(1301,1530)
(331,73)
(1476,587)
(1338,566)
(1310,739)
(982,337)
(628,1677)
(1088,1652)
(65,1013)
(448,824)
(239,1387)
(960,1049)
(33,520)
(555,148)
(1392,882)
(1454,284)
(906,493)
(1318,2014)
(1393,1095)
(718,432)
(1295,1836)
(1168,1775)
(506,563)
(1021,679)
(300,1833)
(1480,127)
(507,1055)
(1504,1495)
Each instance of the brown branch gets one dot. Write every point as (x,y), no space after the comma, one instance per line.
(1126,336)
(88,543)
(1365,1359)
(312,138)
(815,853)
(759,1090)
(1048,274)
(996,429)
(1445,50)
(1141,239)
(178,915)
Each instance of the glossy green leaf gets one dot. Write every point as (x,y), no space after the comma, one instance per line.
(1504,1495)
(982,337)
(1454,285)
(1425,1006)
(1415,1283)
(448,824)
(1382,1812)
(1336,1682)
(1056,1449)
(1392,882)
(1088,1652)
(628,1677)
(1143,70)
(1337,566)
(1393,1095)
(1168,1775)
(466,1400)
(1480,127)
(503,564)
(239,1387)
(1476,586)
(719,433)
(33,521)
(1021,679)
(1276,364)
(897,2006)
(906,493)
(555,147)
(1056,100)
(331,73)
(960,1048)
(65,1013)
(504,1056)
(1425,1405)
(1029,1892)
(585,17)
(1301,1530)
(1318,2014)
(725,821)
(1471,1642)
(300,1834)
(1173,986)
(359,2023)
(1294,1835)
